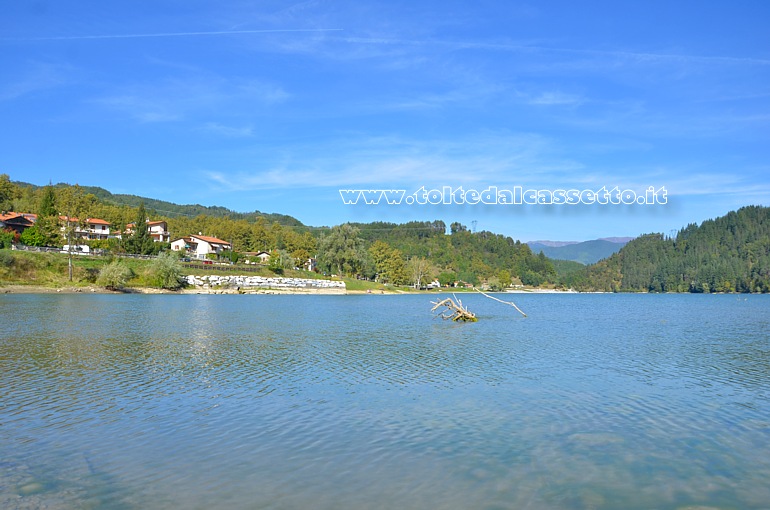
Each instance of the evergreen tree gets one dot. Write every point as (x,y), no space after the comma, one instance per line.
(141,241)
(48,202)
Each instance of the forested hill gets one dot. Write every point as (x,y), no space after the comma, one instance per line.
(172,210)
(463,255)
(726,254)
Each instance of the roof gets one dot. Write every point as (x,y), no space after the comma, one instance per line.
(211,240)
(10,214)
(95,221)
(18,217)
(148,222)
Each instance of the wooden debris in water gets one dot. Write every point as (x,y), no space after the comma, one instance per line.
(504,302)
(453,310)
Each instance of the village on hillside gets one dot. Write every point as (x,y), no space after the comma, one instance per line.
(192,246)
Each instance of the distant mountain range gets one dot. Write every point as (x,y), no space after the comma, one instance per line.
(586,252)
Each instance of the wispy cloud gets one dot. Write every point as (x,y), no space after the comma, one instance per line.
(188,98)
(484,159)
(168,34)
(38,76)
(528,48)
(555,98)
(228,131)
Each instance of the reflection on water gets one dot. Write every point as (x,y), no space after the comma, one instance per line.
(593,401)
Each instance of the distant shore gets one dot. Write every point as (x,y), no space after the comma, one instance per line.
(94,289)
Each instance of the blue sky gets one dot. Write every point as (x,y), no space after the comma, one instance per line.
(275,106)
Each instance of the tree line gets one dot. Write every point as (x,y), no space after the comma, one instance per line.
(411,253)
(727,254)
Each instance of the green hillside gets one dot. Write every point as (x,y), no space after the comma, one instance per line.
(172,210)
(726,254)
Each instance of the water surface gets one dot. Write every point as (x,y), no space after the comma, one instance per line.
(337,402)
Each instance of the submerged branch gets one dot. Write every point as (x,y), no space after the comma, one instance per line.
(501,301)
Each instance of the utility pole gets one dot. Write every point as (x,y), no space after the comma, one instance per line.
(69,247)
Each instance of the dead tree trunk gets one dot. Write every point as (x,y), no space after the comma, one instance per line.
(449,309)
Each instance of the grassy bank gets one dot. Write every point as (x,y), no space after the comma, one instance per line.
(50,270)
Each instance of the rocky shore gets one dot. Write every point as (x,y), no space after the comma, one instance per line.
(209,284)
(216,284)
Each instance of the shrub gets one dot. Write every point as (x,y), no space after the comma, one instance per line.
(166,271)
(6,258)
(114,275)
(275,264)
(33,237)
(6,238)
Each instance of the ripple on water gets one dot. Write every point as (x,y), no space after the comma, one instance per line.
(330,402)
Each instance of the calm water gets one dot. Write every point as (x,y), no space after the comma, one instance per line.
(351,402)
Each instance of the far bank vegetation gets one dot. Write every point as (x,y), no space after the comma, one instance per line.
(726,254)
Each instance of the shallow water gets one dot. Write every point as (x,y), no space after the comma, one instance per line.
(283,402)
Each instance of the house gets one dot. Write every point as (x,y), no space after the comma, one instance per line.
(158,231)
(263,256)
(17,222)
(256,257)
(199,246)
(92,228)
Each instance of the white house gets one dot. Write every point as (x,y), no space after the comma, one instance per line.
(199,246)
(158,230)
(92,228)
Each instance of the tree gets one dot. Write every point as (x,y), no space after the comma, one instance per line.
(74,207)
(388,263)
(141,241)
(8,191)
(261,237)
(419,268)
(457,227)
(47,223)
(505,278)
(47,202)
(342,251)
(447,278)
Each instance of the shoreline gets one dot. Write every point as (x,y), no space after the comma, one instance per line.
(93,289)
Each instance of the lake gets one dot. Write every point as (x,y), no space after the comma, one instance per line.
(593,401)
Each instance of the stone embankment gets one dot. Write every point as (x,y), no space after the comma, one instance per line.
(215,284)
